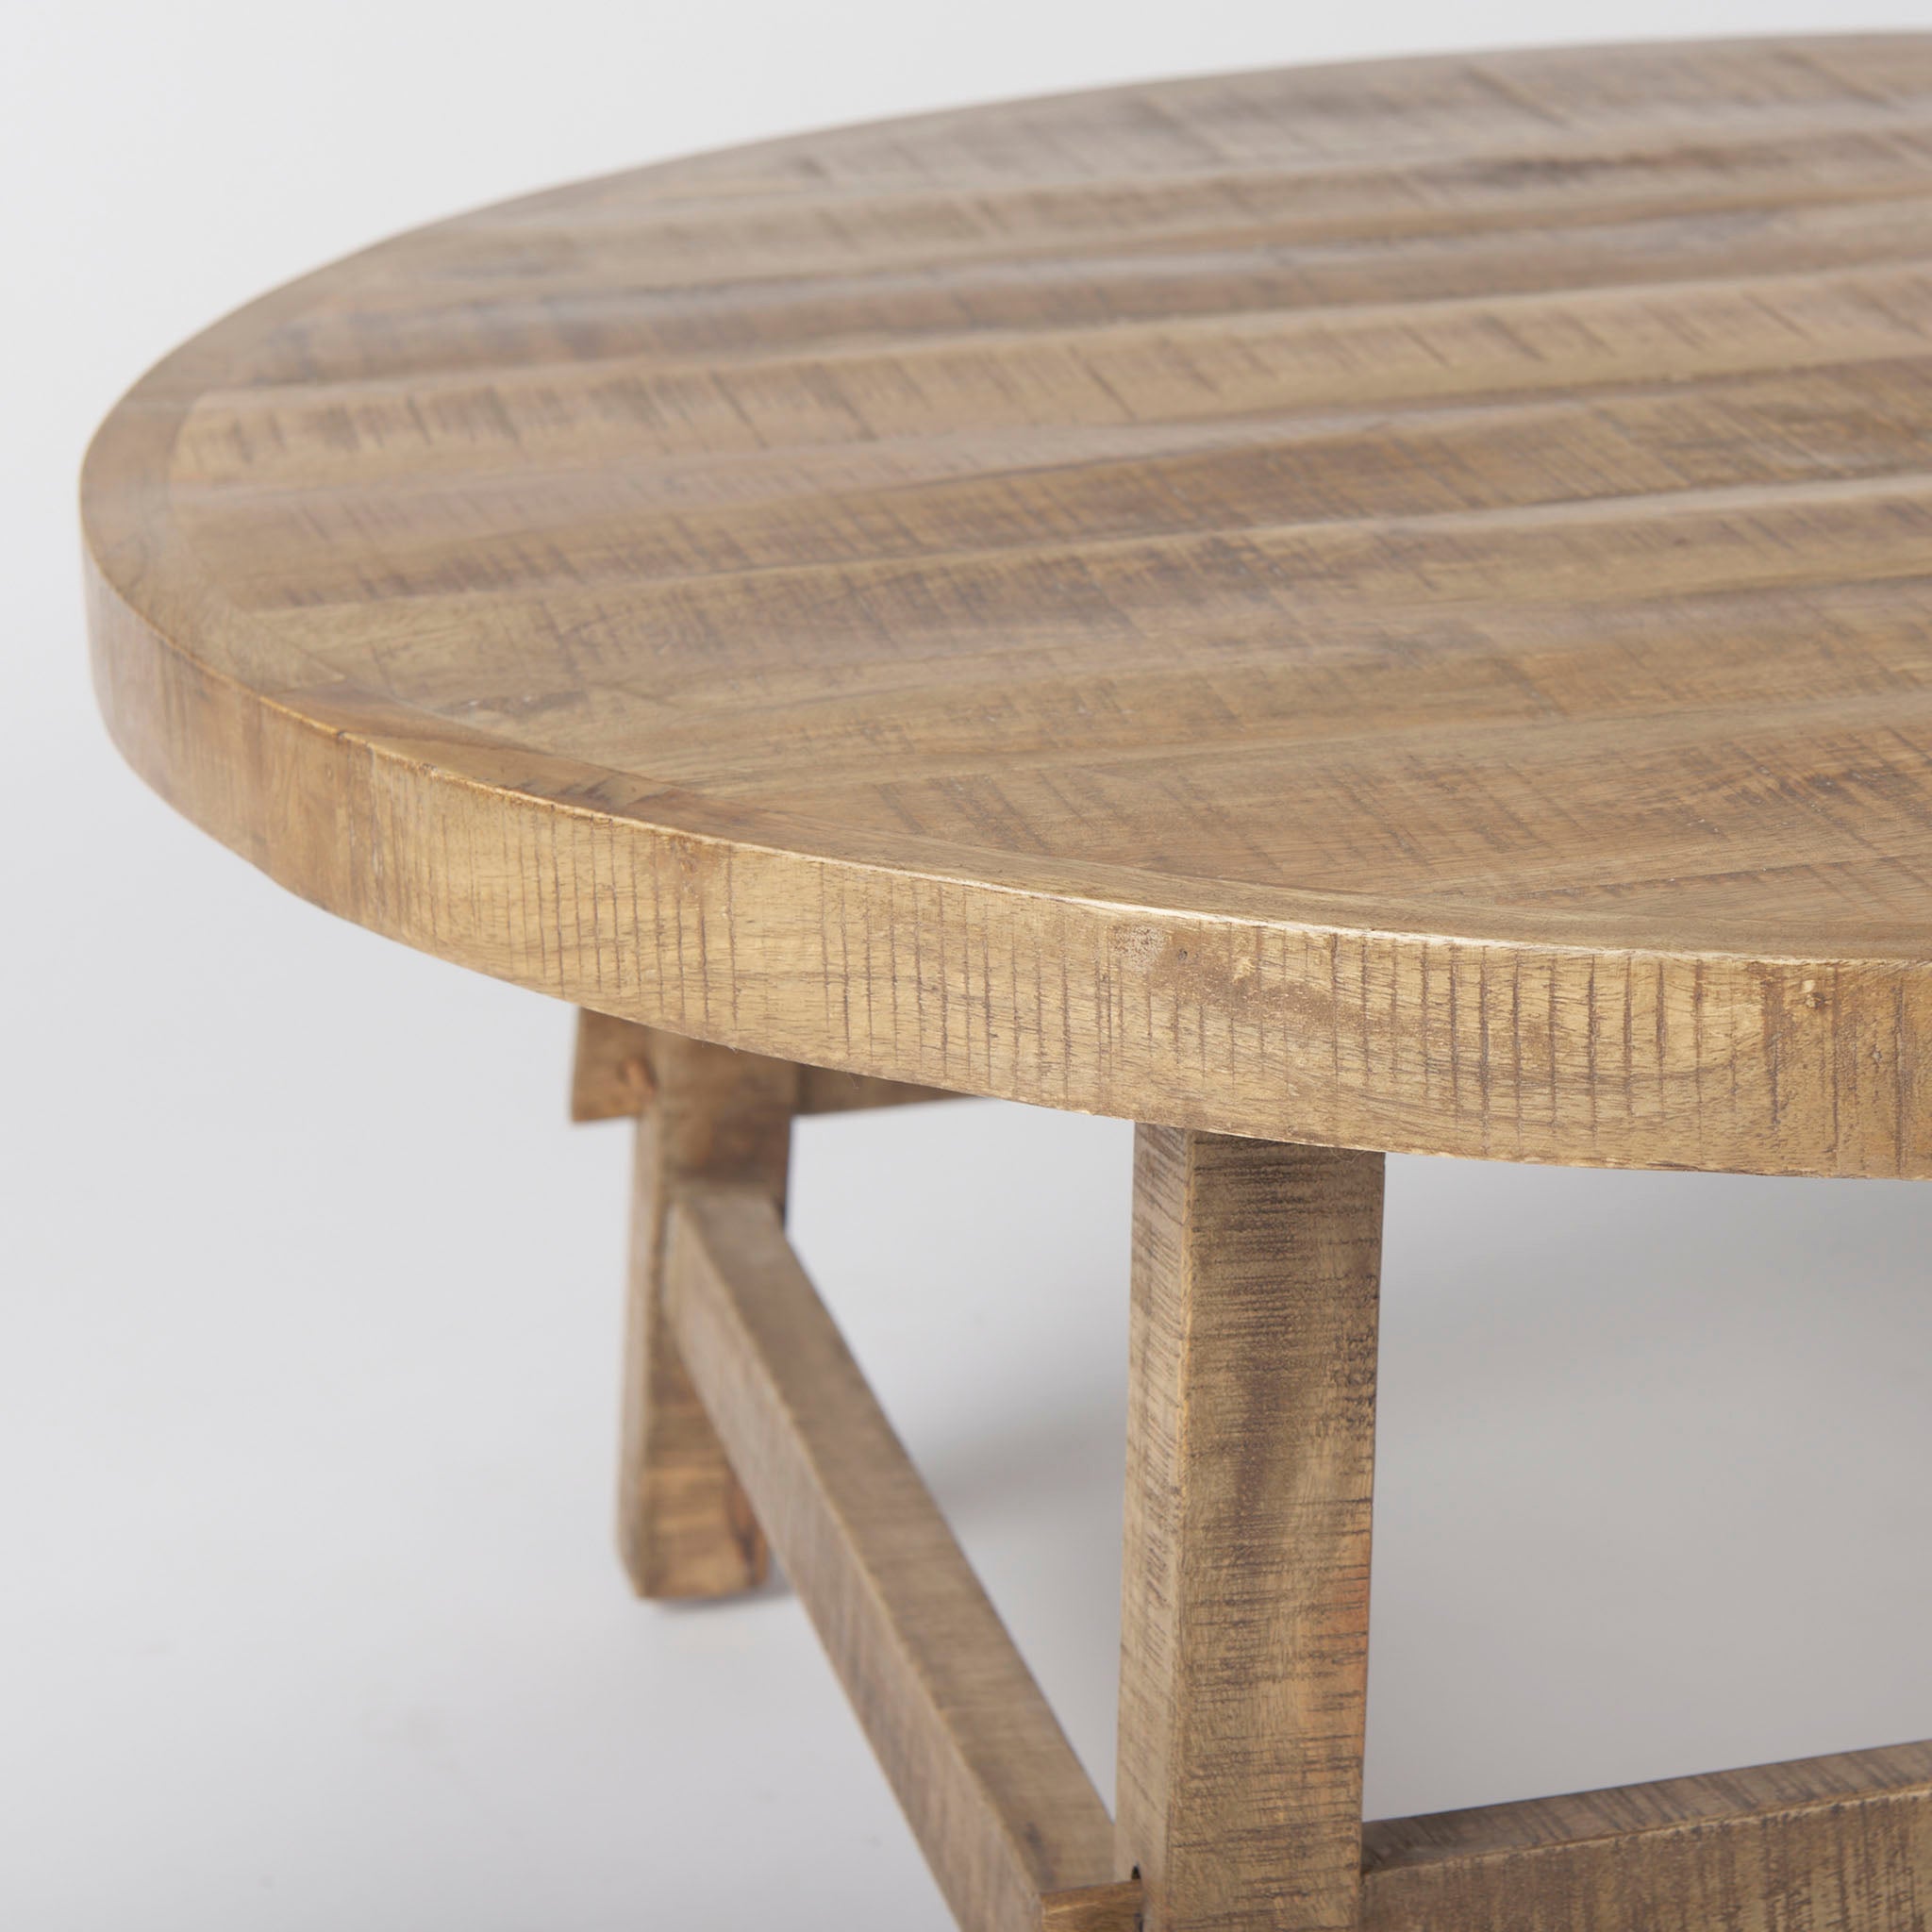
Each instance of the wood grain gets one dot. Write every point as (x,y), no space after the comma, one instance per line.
(1112,1907)
(610,1077)
(995,1794)
(831,1090)
(1833,1844)
(1245,1583)
(685,1528)
(1383,606)
(611,1071)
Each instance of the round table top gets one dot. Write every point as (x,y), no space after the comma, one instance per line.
(1387,604)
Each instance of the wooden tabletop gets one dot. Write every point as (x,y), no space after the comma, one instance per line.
(1387,604)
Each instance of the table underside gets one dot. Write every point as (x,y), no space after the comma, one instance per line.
(1244,1579)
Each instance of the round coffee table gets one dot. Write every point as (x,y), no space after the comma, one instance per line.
(1382,608)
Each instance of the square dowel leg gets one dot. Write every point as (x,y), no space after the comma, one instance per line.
(1245,1583)
(710,1115)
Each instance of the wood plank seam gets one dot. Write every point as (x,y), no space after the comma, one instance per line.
(1413,638)
(1382,607)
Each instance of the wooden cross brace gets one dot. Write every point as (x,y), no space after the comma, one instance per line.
(1244,1638)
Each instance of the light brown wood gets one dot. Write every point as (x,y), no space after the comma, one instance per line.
(999,1803)
(1382,608)
(1245,1585)
(1382,605)
(831,1090)
(1115,1907)
(1832,1844)
(610,1071)
(685,1528)
(610,1079)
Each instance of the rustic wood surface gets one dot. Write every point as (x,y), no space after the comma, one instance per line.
(684,1526)
(1113,1908)
(991,1789)
(1384,606)
(1831,1844)
(610,1077)
(1245,1599)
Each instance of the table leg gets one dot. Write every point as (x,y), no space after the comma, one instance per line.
(1244,1635)
(710,1115)
(1245,1585)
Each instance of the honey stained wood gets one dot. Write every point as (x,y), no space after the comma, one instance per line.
(995,1794)
(610,1071)
(610,1077)
(1245,1583)
(1115,1907)
(685,1528)
(1834,1844)
(1383,606)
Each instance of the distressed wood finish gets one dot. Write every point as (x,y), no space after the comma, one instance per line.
(998,1801)
(610,1079)
(1383,606)
(610,1071)
(685,1528)
(1832,1844)
(1244,1621)
(1113,1908)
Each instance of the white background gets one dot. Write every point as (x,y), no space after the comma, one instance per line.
(310,1300)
